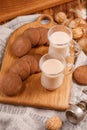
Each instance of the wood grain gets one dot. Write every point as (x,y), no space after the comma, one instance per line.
(10,9)
(33,93)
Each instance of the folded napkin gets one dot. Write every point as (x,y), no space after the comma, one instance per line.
(28,118)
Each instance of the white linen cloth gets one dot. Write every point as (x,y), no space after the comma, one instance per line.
(28,118)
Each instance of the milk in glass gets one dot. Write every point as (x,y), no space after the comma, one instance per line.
(59,43)
(52,76)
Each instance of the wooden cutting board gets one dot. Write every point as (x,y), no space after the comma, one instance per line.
(33,93)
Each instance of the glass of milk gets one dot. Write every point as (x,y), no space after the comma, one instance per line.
(53,69)
(59,37)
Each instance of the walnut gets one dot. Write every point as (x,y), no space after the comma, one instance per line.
(77,32)
(60,17)
(80,21)
(73,24)
(53,123)
(48,11)
(67,22)
(76,22)
(84,28)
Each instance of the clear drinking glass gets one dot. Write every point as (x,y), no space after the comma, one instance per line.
(59,37)
(53,70)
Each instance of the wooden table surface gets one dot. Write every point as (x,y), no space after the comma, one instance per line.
(12,8)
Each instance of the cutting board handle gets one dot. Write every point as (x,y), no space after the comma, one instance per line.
(45,17)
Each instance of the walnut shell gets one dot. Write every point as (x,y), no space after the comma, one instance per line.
(76,22)
(73,24)
(60,17)
(77,33)
(53,123)
(11,84)
(84,28)
(80,21)
(67,22)
(48,11)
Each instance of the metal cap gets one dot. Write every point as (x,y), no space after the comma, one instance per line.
(74,114)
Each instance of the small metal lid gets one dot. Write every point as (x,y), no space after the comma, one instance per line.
(74,114)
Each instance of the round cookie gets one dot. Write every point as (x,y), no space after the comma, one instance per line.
(21,68)
(11,84)
(33,34)
(21,46)
(38,56)
(30,59)
(80,75)
(43,35)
